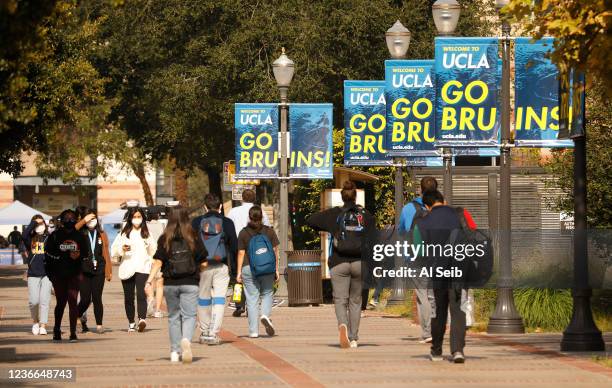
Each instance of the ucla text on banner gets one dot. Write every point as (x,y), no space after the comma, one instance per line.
(467,92)
(410,95)
(424,161)
(537,95)
(365,124)
(310,128)
(256,140)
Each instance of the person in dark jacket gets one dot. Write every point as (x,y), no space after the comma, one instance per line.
(215,277)
(39,285)
(64,252)
(346,269)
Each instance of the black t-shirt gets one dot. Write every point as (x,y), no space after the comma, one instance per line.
(64,252)
(162,255)
(245,237)
(98,247)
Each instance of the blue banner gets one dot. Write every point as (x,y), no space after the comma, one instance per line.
(424,161)
(365,124)
(537,95)
(410,95)
(467,92)
(256,140)
(310,127)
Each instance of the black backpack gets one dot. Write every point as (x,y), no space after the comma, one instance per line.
(181,262)
(478,267)
(350,231)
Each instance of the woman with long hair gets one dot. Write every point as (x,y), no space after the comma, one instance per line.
(258,287)
(96,269)
(39,285)
(180,256)
(135,247)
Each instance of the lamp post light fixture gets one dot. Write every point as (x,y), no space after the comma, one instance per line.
(506,318)
(398,40)
(283,69)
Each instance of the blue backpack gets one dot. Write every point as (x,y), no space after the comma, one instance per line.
(262,259)
(213,237)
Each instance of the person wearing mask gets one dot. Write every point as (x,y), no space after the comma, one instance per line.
(15,238)
(39,285)
(240,217)
(180,255)
(65,250)
(260,240)
(352,228)
(96,269)
(156,297)
(219,237)
(436,228)
(135,247)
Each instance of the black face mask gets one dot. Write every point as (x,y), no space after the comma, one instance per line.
(69,224)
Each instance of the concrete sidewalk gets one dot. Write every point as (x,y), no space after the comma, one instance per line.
(305,353)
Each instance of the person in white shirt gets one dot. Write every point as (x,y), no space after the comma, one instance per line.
(136,247)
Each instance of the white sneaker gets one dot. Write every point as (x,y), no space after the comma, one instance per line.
(132,327)
(268,325)
(186,351)
(35,329)
(343,336)
(42,331)
(158,314)
(253,335)
(354,344)
(141,325)
(174,357)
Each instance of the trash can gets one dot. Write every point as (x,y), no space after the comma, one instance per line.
(304,277)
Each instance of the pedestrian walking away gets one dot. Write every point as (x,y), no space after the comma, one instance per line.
(64,253)
(134,246)
(352,228)
(219,238)
(156,297)
(39,285)
(258,270)
(96,269)
(15,238)
(180,255)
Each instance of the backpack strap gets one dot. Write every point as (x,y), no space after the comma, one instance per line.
(460,212)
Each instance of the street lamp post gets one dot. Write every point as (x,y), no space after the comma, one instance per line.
(446,15)
(283,69)
(505,318)
(398,40)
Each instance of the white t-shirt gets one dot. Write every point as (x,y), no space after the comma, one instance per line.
(141,252)
(240,216)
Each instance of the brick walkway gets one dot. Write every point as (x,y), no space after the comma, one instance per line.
(305,353)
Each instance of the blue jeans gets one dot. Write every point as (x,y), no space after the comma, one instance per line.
(254,289)
(182,302)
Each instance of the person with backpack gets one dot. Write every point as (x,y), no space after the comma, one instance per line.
(39,286)
(439,227)
(219,238)
(258,270)
(352,228)
(65,250)
(135,247)
(180,256)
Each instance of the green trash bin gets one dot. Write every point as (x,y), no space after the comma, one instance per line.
(304,281)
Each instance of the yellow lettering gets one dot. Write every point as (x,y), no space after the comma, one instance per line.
(456,94)
(448,118)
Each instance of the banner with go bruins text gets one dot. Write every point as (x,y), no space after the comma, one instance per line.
(410,95)
(310,129)
(467,92)
(537,95)
(256,140)
(365,124)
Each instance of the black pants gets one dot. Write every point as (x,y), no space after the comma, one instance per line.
(445,299)
(91,291)
(66,291)
(135,282)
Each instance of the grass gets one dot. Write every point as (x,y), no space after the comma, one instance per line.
(603,360)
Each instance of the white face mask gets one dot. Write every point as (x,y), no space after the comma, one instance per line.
(92,224)
(136,221)
(40,229)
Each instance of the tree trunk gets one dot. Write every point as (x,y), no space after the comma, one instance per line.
(214,181)
(139,171)
(181,186)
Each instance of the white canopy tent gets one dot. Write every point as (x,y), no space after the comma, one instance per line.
(19,213)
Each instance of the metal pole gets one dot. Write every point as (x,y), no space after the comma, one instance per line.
(284,194)
(399,293)
(447,157)
(582,333)
(505,318)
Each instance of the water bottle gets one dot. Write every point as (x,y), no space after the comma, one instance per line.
(237,297)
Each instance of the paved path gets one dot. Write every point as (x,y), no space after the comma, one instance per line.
(305,353)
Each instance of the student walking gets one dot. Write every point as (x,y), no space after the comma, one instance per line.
(135,247)
(257,270)
(65,250)
(180,255)
(352,227)
(154,302)
(96,269)
(39,285)
(219,238)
